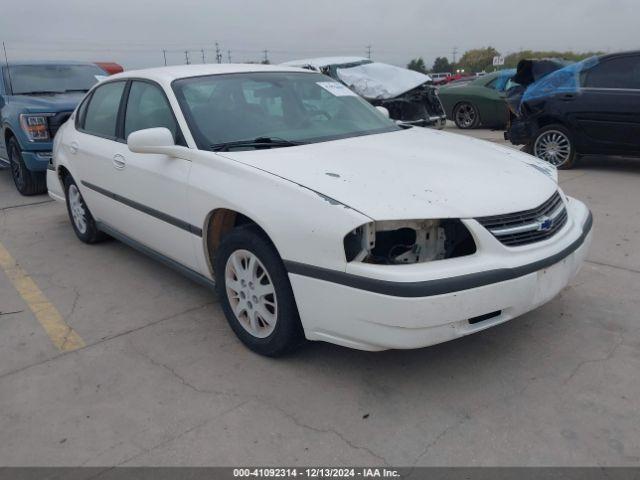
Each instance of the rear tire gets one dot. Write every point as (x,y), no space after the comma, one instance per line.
(256,296)
(554,144)
(82,221)
(466,116)
(26,182)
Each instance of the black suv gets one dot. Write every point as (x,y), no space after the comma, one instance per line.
(592,107)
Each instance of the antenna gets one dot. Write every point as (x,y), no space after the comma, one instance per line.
(164,54)
(202,51)
(6,61)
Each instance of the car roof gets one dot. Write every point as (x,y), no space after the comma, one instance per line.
(321,62)
(618,54)
(168,74)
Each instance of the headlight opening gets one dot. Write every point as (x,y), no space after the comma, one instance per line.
(408,242)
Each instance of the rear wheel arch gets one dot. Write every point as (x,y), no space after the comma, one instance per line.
(63,172)
(546,120)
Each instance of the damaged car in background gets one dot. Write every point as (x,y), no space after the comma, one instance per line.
(407,95)
(559,111)
(313,214)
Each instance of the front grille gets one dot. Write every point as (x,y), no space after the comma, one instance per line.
(56,121)
(529,226)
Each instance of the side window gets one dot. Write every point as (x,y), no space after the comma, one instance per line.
(147,107)
(101,116)
(622,72)
(82,112)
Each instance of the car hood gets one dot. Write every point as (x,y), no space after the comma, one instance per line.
(381,81)
(412,174)
(61,102)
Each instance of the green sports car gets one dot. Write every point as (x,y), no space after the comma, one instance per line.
(478,102)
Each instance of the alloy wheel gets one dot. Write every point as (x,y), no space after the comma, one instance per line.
(466,115)
(251,293)
(553,146)
(78,212)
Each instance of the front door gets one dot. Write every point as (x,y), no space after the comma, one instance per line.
(153,188)
(607,109)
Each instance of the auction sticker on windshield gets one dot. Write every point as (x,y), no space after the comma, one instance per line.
(337,89)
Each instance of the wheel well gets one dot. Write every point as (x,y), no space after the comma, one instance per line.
(548,120)
(8,134)
(460,103)
(63,173)
(221,222)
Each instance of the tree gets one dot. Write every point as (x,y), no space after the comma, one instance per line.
(441,65)
(418,65)
(478,60)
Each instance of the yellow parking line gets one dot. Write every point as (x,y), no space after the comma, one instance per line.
(61,334)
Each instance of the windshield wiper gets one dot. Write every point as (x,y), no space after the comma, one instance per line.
(83,90)
(257,143)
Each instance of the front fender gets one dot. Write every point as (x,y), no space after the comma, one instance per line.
(304,225)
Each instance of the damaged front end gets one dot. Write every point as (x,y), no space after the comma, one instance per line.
(407,242)
(406,94)
(420,107)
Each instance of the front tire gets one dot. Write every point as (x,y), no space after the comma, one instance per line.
(466,116)
(82,221)
(256,296)
(27,182)
(554,144)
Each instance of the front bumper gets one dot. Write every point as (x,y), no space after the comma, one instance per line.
(360,313)
(37,161)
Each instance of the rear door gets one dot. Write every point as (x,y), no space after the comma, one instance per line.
(607,109)
(95,148)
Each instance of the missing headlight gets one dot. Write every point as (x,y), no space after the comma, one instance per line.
(407,242)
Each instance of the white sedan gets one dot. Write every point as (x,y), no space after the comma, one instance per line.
(312,213)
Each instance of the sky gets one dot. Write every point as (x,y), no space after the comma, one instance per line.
(135,32)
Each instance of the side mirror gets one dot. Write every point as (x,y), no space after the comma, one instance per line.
(383,111)
(153,140)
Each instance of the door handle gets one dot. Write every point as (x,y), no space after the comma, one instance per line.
(73,148)
(119,162)
(567,97)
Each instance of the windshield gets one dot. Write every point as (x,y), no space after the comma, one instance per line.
(289,107)
(29,79)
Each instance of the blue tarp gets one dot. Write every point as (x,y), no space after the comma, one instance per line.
(564,80)
(503,78)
